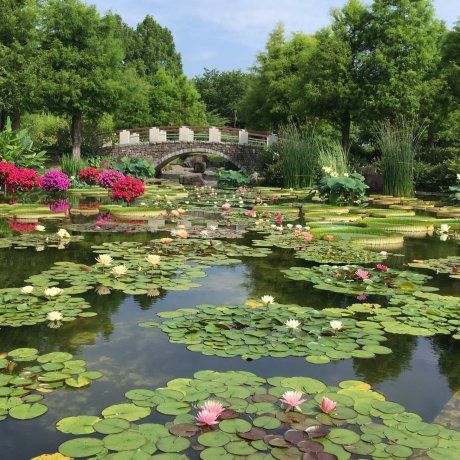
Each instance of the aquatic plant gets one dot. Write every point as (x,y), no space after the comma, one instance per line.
(293,399)
(342,190)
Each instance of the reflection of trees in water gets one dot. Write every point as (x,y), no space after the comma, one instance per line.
(384,367)
(448,351)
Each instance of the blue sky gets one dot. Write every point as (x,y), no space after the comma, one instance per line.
(227,34)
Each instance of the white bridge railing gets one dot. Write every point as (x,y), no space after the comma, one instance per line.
(211,134)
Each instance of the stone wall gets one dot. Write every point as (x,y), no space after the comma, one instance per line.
(245,157)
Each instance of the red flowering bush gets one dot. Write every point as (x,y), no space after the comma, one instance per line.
(22,227)
(5,170)
(22,180)
(90,176)
(127,189)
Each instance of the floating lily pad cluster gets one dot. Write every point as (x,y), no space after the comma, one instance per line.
(356,280)
(321,251)
(255,424)
(36,240)
(25,376)
(19,309)
(182,261)
(449,265)
(255,330)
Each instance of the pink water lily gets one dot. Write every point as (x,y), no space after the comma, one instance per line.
(213,406)
(363,274)
(381,267)
(205,417)
(361,297)
(329,237)
(307,236)
(327,405)
(293,399)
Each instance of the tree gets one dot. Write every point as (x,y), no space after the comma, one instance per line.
(152,47)
(20,65)
(451,58)
(84,58)
(331,78)
(272,92)
(222,92)
(403,50)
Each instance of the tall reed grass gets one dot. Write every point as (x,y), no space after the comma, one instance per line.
(398,141)
(331,154)
(72,167)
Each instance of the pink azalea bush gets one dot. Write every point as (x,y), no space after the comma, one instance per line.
(110,177)
(55,181)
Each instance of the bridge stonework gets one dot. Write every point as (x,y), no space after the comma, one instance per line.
(245,157)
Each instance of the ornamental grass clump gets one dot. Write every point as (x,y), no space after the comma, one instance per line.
(55,181)
(397,142)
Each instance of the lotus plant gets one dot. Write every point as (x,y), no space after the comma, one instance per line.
(293,399)
(327,405)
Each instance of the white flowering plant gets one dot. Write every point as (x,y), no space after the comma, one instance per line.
(345,189)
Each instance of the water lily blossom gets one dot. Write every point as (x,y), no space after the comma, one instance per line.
(382,268)
(363,274)
(267,299)
(444,228)
(27,290)
(153,259)
(361,297)
(181,233)
(292,324)
(205,417)
(104,259)
(327,405)
(119,270)
(336,325)
(293,399)
(226,206)
(383,253)
(53,291)
(63,233)
(54,316)
(443,237)
(40,228)
(329,237)
(213,406)
(166,240)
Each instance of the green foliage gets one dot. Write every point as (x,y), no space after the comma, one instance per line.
(434,178)
(332,155)
(397,143)
(222,93)
(72,167)
(17,147)
(136,167)
(343,190)
(451,56)
(231,178)
(47,130)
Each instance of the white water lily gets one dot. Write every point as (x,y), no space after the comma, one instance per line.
(54,316)
(63,233)
(153,259)
(119,270)
(104,259)
(267,299)
(204,233)
(383,253)
(444,228)
(53,291)
(40,248)
(40,228)
(289,226)
(292,324)
(27,290)
(336,325)
(443,237)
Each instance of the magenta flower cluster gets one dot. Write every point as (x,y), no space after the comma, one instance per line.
(55,181)
(109,177)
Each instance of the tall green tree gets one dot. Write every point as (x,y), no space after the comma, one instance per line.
(332,77)
(451,58)
(222,92)
(20,55)
(84,58)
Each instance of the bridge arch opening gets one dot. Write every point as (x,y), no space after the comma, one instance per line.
(167,158)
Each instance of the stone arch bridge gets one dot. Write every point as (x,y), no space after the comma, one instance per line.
(161,145)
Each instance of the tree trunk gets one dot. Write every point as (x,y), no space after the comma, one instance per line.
(76,135)
(346,127)
(16,120)
(3,117)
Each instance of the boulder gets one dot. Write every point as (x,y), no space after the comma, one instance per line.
(192,179)
(197,162)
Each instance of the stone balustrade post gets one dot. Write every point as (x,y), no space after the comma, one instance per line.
(185,134)
(124,137)
(215,135)
(156,135)
(134,139)
(243,137)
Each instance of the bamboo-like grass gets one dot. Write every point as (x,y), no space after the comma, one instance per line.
(397,142)
(333,155)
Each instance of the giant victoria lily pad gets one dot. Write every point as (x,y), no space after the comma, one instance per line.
(252,331)
(362,424)
(25,376)
(356,280)
(450,265)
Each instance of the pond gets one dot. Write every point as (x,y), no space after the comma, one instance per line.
(421,372)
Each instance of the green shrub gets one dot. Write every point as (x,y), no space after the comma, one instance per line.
(17,147)
(136,167)
(47,130)
(343,190)
(434,178)
(231,178)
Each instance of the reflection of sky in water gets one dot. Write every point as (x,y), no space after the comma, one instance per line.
(420,373)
